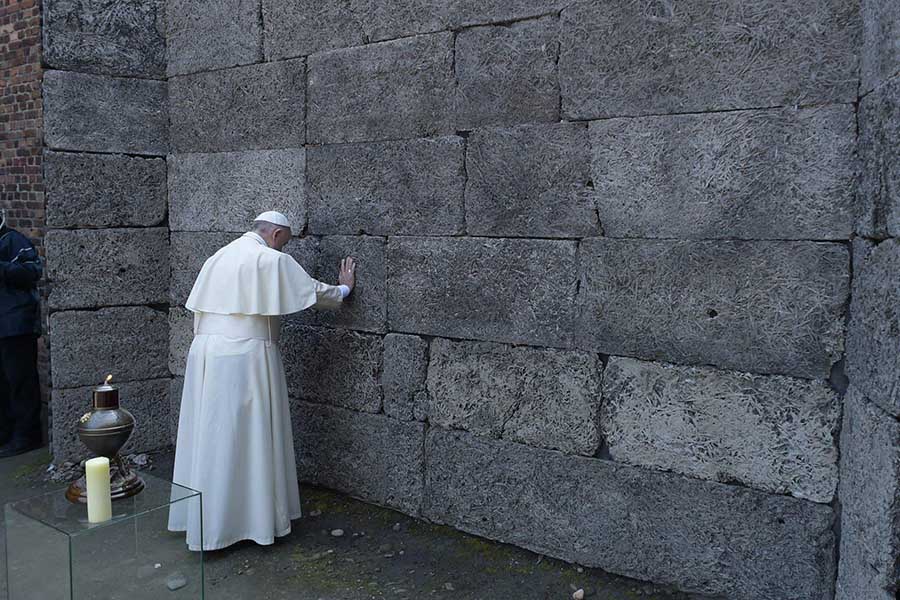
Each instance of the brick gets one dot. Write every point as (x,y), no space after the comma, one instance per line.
(630,59)
(303,28)
(761,307)
(104,114)
(531,180)
(181,334)
(91,268)
(212,34)
(403,377)
(131,342)
(541,397)
(410,187)
(880,54)
(225,191)
(879,187)
(188,252)
(93,190)
(390,90)
(256,107)
(767,174)
(482,289)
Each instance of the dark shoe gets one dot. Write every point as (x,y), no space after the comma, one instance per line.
(11,449)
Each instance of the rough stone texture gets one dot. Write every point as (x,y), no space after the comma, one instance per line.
(188,252)
(302,28)
(873,338)
(544,398)
(333,366)
(390,90)
(532,180)
(181,334)
(879,188)
(131,342)
(104,114)
(403,379)
(122,37)
(763,307)
(372,457)
(90,268)
(473,12)
(772,433)
(398,18)
(255,107)
(147,401)
(225,191)
(507,75)
(212,34)
(705,537)
(767,174)
(410,187)
(880,56)
(635,58)
(483,289)
(176,385)
(95,190)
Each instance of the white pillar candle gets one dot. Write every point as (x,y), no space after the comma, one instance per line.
(99,502)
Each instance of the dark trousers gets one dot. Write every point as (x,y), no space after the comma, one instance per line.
(20,391)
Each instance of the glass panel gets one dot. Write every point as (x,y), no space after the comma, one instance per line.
(37,559)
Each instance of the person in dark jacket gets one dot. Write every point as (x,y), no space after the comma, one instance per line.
(20,326)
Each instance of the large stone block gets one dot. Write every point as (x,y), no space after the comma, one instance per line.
(506,75)
(540,397)
(147,401)
(187,253)
(131,343)
(532,180)
(880,55)
(105,114)
(226,190)
(212,34)
(403,377)
(761,174)
(176,386)
(870,502)
(104,190)
(389,20)
(372,457)
(873,337)
(114,38)
(303,28)
(333,366)
(762,307)
(705,537)
(634,58)
(518,291)
(390,90)
(462,13)
(879,188)
(181,334)
(772,433)
(89,267)
(255,107)
(410,187)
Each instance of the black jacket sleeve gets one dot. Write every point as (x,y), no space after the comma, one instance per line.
(23,269)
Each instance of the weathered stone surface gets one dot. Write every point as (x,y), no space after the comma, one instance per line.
(147,401)
(403,379)
(389,20)
(410,187)
(212,34)
(246,108)
(188,252)
(702,536)
(462,13)
(506,75)
(181,334)
(879,189)
(762,307)
(633,58)
(518,291)
(90,268)
(131,342)
(532,180)
(176,385)
(302,28)
(372,457)
(104,114)
(761,174)
(333,366)
(97,190)
(772,433)
(870,502)
(226,190)
(126,37)
(390,90)
(873,337)
(880,55)
(540,397)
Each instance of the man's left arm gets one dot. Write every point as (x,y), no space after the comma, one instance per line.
(24,268)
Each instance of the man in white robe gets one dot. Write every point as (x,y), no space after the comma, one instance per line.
(234,431)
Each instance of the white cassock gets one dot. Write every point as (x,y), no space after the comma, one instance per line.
(234,432)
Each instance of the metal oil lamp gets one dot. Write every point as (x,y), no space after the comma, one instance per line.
(104,430)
